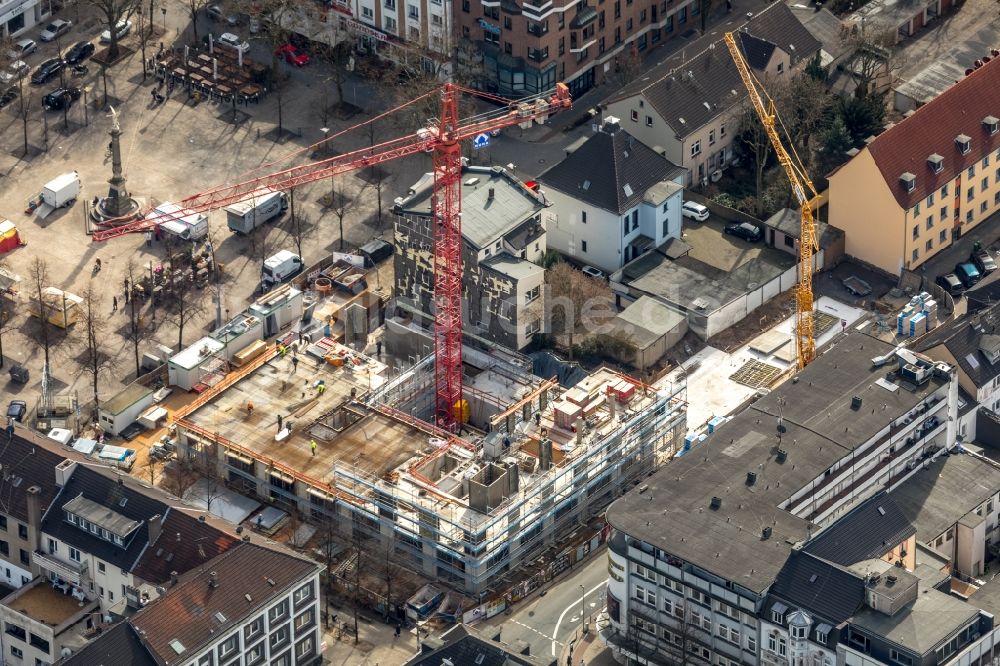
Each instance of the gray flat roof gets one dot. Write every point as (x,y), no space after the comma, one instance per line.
(646,320)
(127,397)
(674,513)
(945,69)
(945,490)
(924,624)
(484,219)
(101,516)
(513,267)
(987,597)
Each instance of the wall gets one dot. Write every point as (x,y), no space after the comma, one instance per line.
(714,144)
(569,233)
(863,206)
(13,569)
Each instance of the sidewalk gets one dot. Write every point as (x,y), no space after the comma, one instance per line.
(376,646)
(588,651)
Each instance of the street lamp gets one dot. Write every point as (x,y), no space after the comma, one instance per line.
(583,611)
(163,10)
(86,120)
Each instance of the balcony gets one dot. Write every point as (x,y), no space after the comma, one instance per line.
(537,30)
(538,55)
(71,572)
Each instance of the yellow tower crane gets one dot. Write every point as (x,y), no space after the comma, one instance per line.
(805,193)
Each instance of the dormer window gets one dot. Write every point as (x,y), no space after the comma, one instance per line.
(909,181)
(936,163)
(964,143)
(990,124)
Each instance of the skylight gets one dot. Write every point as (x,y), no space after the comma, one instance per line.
(628,190)
(177,646)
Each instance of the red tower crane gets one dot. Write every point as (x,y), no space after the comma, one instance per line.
(443,140)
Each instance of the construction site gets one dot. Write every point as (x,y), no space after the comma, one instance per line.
(533,460)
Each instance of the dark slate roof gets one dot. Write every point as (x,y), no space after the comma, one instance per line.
(866,532)
(757,51)
(117,494)
(905,147)
(185,543)
(689,93)
(962,338)
(118,646)
(599,170)
(190,611)
(819,587)
(463,645)
(25,464)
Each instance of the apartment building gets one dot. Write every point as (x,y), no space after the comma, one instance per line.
(712,532)
(19,16)
(614,199)
(503,236)
(687,109)
(527,49)
(922,183)
(27,487)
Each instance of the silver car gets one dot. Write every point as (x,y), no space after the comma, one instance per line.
(56,29)
(23,48)
(14,71)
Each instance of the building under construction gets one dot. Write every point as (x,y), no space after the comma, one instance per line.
(535,461)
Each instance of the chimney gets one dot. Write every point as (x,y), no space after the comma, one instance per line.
(34,499)
(64,470)
(173,578)
(213,580)
(545,453)
(491,194)
(612,403)
(155,527)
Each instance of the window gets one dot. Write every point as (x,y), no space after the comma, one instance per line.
(253,629)
(972,171)
(583,246)
(229,646)
(390,24)
(944,188)
(101,567)
(635,220)
(984,184)
(996,199)
(915,255)
(982,207)
(898,657)
(206,660)
(930,222)
(583,217)
(390,4)
(74,554)
(25,556)
(928,245)
(303,594)
(4,549)
(16,652)
(916,210)
(649,121)
(986,161)
(304,648)
(255,655)
(777,644)
(944,213)
(751,643)
(278,612)
(799,632)
(278,638)
(628,25)
(711,137)
(781,68)
(970,193)
(532,294)
(368,12)
(508,24)
(666,205)
(3,523)
(968,216)
(916,231)
(695,148)
(22,531)
(722,130)
(635,116)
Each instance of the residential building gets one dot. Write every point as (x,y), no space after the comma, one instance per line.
(784,229)
(380,469)
(613,198)
(19,16)
(941,73)
(118,645)
(972,344)
(503,236)
(919,185)
(462,644)
(688,110)
(528,49)
(41,624)
(27,487)
(712,532)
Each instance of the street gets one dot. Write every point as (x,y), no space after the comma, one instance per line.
(551,617)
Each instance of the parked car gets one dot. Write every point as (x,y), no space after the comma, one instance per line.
(47,70)
(55,30)
(967,273)
(233,41)
(15,71)
(983,260)
(595,273)
(216,13)
(748,232)
(951,284)
(60,98)
(16,410)
(292,55)
(122,29)
(694,211)
(22,49)
(79,52)
(8,96)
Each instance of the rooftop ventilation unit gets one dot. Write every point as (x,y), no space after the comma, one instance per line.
(781,456)
(765,533)
(716,503)
(751,478)
(856,403)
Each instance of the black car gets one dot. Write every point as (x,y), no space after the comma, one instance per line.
(60,98)
(8,96)
(746,231)
(16,410)
(950,283)
(78,53)
(47,70)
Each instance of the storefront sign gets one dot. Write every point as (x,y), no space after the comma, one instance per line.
(489,27)
(367,30)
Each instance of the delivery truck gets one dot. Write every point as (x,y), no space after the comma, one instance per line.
(261,206)
(58,192)
(180,222)
(280,267)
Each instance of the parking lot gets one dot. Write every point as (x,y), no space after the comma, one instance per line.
(711,245)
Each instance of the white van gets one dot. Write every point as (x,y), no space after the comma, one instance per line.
(280,267)
(260,206)
(180,222)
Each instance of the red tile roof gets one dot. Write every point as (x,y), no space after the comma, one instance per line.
(933,128)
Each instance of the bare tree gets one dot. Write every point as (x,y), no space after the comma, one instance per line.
(628,67)
(341,204)
(298,226)
(7,310)
(874,60)
(390,571)
(135,331)
(25,105)
(152,465)
(38,276)
(375,175)
(92,326)
(112,13)
(569,297)
(178,477)
(757,145)
(260,247)
(195,7)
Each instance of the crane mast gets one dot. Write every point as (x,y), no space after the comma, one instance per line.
(805,194)
(443,139)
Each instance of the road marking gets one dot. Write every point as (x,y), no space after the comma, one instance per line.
(535,630)
(573,606)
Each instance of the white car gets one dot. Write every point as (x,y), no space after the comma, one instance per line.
(122,29)
(694,211)
(234,42)
(23,48)
(14,71)
(54,30)
(595,273)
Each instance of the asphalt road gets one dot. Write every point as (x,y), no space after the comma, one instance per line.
(549,618)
